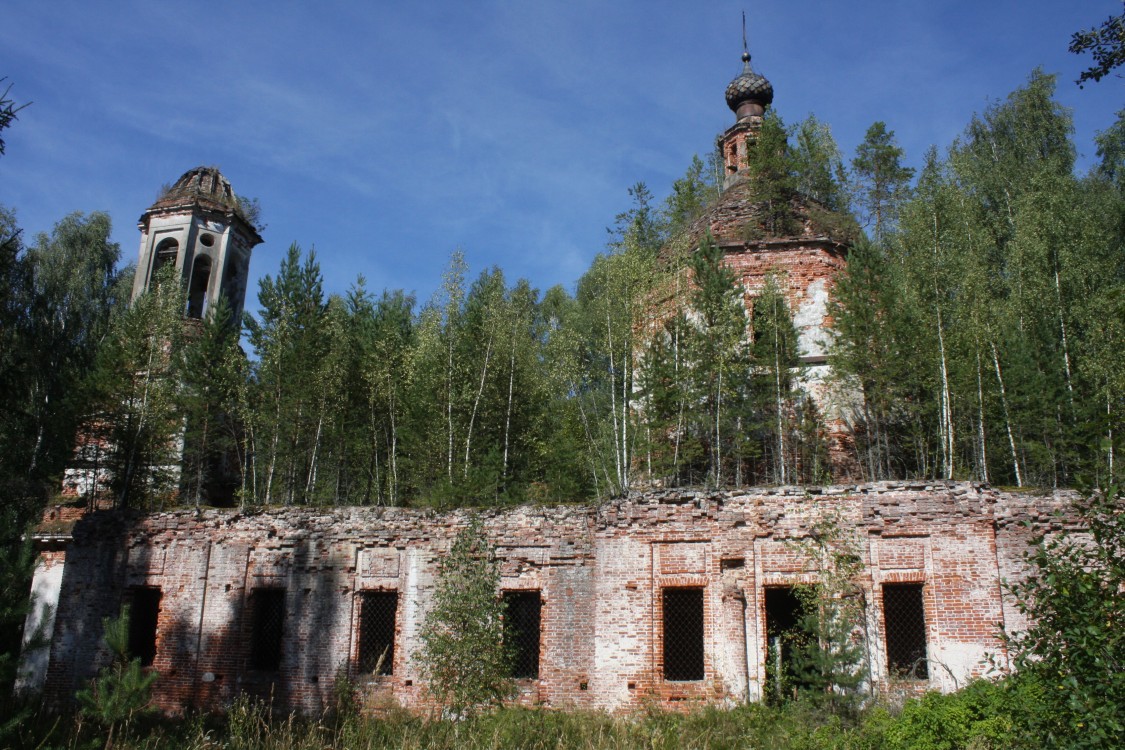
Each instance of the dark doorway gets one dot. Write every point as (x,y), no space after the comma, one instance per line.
(197,291)
(267,623)
(786,637)
(144,613)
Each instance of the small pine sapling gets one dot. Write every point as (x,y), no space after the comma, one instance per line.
(123,689)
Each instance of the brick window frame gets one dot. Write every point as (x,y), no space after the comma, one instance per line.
(905,636)
(523,630)
(376,631)
(266,628)
(683,633)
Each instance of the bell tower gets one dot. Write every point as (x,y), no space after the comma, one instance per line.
(748,96)
(199,225)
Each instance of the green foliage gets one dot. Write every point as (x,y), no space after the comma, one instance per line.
(463,658)
(251,211)
(769,171)
(136,394)
(979,716)
(691,195)
(829,665)
(1111,152)
(881,182)
(979,326)
(122,690)
(776,371)
(9,111)
(716,345)
(817,165)
(1074,648)
(1106,43)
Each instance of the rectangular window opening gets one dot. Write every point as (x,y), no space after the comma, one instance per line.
(267,622)
(787,634)
(522,616)
(683,634)
(144,612)
(377,610)
(904,622)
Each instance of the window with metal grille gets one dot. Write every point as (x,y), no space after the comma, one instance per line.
(683,634)
(267,623)
(144,609)
(377,611)
(521,631)
(904,622)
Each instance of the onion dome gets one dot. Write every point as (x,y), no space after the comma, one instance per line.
(749,93)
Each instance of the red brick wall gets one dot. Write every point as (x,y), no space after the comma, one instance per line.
(600,571)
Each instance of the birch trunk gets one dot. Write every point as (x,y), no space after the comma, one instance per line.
(1007,416)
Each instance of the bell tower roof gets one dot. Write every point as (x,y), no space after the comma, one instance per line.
(749,93)
(203,185)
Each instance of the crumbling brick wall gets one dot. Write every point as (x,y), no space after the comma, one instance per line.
(601,571)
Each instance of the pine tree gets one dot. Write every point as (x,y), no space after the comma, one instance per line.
(881,181)
(290,345)
(214,379)
(770,175)
(122,690)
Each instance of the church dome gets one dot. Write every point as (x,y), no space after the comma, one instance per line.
(749,88)
(203,185)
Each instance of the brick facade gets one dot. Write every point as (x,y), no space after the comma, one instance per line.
(602,573)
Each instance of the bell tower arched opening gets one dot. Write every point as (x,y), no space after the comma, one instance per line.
(197,288)
(166,253)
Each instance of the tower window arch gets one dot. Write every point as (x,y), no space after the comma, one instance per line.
(197,290)
(166,253)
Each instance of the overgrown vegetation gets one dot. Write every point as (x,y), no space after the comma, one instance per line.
(465,662)
(122,690)
(981,321)
(977,336)
(981,717)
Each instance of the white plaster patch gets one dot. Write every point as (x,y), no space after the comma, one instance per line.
(809,320)
(39,628)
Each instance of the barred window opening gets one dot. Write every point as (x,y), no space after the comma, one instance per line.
(683,634)
(267,618)
(377,610)
(144,611)
(521,631)
(904,622)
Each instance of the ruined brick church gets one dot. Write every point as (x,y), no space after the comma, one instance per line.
(666,597)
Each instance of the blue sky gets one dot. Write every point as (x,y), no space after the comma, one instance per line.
(388,134)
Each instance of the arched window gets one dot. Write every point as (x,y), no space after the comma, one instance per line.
(166,252)
(197,290)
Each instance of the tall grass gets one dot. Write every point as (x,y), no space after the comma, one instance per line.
(972,719)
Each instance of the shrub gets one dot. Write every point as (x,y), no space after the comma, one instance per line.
(463,657)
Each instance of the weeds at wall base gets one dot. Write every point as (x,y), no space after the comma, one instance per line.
(980,717)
